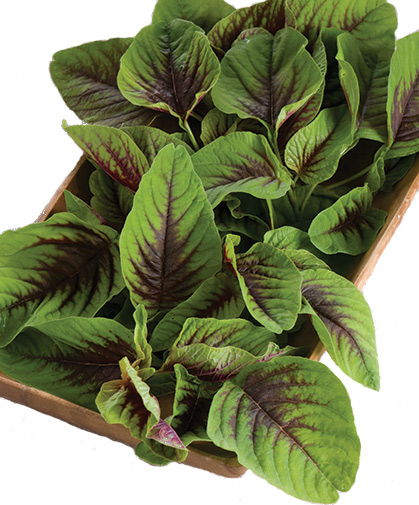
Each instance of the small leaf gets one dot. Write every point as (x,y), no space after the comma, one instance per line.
(240,162)
(343,320)
(146,454)
(113,151)
(82,210)
(203,14)
(403,98)
(216,124)
(86,77)
(59,268)
(191,406)
(140,337)
(267,77)
(218,297)
(364,78)
(297,412)
(228,332)
(110,199)
(288,237)
(168,67)
(169,244)
(315,150)
(271,15)
(152,140)
(348,226)
(270,285)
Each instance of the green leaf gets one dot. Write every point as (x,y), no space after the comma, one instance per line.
(216,124)
(348,226)
(372,21)
(240,162)
(191,406)
(288,237)
(364,78)
(168,67)
(152,140)
(403,98)
(235,215)
(146,454)
(289,421)
(140,337)
(169,244)
(270,284)
(70,358)
(128,401)
(86,77)
(267,77)
(113,151)
(396,169)
(315,150)
(218,297)
(271,15)
(82,210)
(343,320)
(203,14)
(228,332)
(62,267)
(110,199)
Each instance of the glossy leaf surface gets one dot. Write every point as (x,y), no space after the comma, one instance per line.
(267,77)
(203,14)
(218,297)
(348,226)
(86,77)
(70,358)
(289,421)
(240,162)
(168,67)
(344,323)
(62,267)
(169,244)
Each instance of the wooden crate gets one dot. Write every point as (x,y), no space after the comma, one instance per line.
(395,203)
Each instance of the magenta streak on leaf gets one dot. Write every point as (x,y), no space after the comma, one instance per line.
(162,432)
(268,394)
(68,275)
(404,117)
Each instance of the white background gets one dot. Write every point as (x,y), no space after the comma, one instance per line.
(43,460)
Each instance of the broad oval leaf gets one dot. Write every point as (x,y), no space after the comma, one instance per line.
(348,226)
(240,162)
(70,358)
(216,124)
(218,297)
(204,14)
(297,412)
(267,77)
(270,285)
(403,98)
(288,237)
(169,244)
(86,77)
(168,67)
(113,151)
(372,21)
(271,15)
(315,150)
(343,320)
(60,268)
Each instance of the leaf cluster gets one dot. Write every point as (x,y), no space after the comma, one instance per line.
(235,156)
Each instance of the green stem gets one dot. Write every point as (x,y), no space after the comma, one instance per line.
(271,213)
(185,125)
(196,116)
(350,179)
(307,197)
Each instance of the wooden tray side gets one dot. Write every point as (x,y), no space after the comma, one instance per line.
(396,205)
